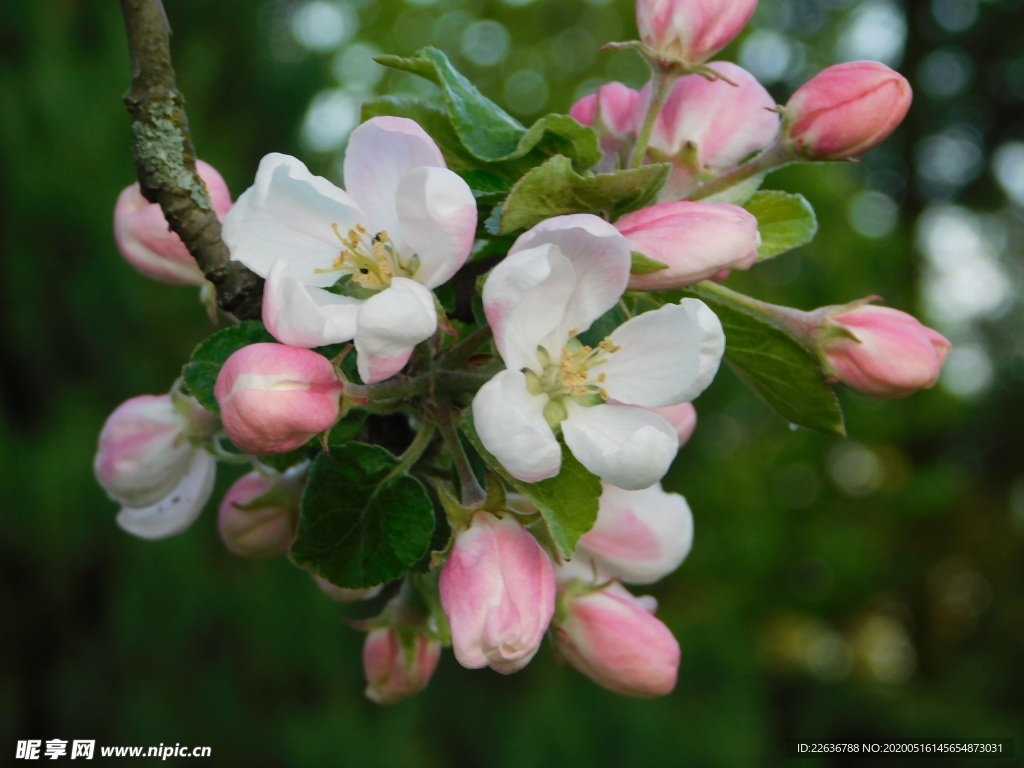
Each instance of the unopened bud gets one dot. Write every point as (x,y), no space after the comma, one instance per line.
(498,592)
(256,516)
(882,352)
(398,663)
(147,243)
(345,594)
(846,110)
(694,240)
(273,398)
(614,639)
(611,110)
(691,31)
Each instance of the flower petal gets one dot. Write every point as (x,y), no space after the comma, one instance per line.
(391,324)
(380,152)
(437,215)
(305,316)
(629,447)
(599,255)
(665,357)
(525,297)
(288,214)
(511,425)
(179,509)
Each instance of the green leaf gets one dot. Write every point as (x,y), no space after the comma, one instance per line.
(567,501)
(786,221)
(200,372)
(645,265)
(773,363)
(487,131)
(359,525)
(434,121)
(554,189)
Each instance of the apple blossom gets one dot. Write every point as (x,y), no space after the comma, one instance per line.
(257,515)
(639,537)
(147,243)
(846,109)
(691,31)
(695,240)
(398,663)
(557,279)
(273,398)
(880,351)
(614,639)
(498,591)
(682,417)
(356,264)
(150,459)
(707,126)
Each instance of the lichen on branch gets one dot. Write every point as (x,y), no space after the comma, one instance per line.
(165,159)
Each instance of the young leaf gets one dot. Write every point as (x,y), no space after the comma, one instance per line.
(487,131)
(567,502)
(554,188)
(200,372)
(359,526)
(777,367)
(785,220)
(645,265)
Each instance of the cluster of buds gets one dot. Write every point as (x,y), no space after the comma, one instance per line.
(571,364)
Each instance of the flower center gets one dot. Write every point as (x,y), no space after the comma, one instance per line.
(369,262)
(572,375)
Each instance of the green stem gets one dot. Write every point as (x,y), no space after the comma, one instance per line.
(802,325)
(412,454)
(775,156)
(472,493)
(662,80)
(461,352)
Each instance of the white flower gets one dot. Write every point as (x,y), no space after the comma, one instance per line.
(558,278)
(356,264)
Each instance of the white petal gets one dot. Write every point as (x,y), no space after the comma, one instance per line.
(511,425)
(666,357)
(600,256)
(629,447)
(391,324)
(437,215)
(303,316)
(525,298)
(179,509)
(288,214)
(380,152)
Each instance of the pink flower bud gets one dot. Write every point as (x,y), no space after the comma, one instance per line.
(882,352)
(639,537)
(612,113)
(146,462)
(273,398)
(611,637)
(846,110)
(498,592)
(262,531)
(691,31)
(695,240)
(709,126)
(344,594)
(148,244)
(398,664)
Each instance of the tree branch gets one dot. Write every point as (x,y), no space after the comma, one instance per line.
(165,159)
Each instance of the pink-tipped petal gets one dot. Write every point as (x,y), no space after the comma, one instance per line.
(391,324)
(437,215)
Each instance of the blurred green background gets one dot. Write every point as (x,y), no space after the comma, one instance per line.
(869,589)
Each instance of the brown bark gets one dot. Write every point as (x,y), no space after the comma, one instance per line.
(165,159)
